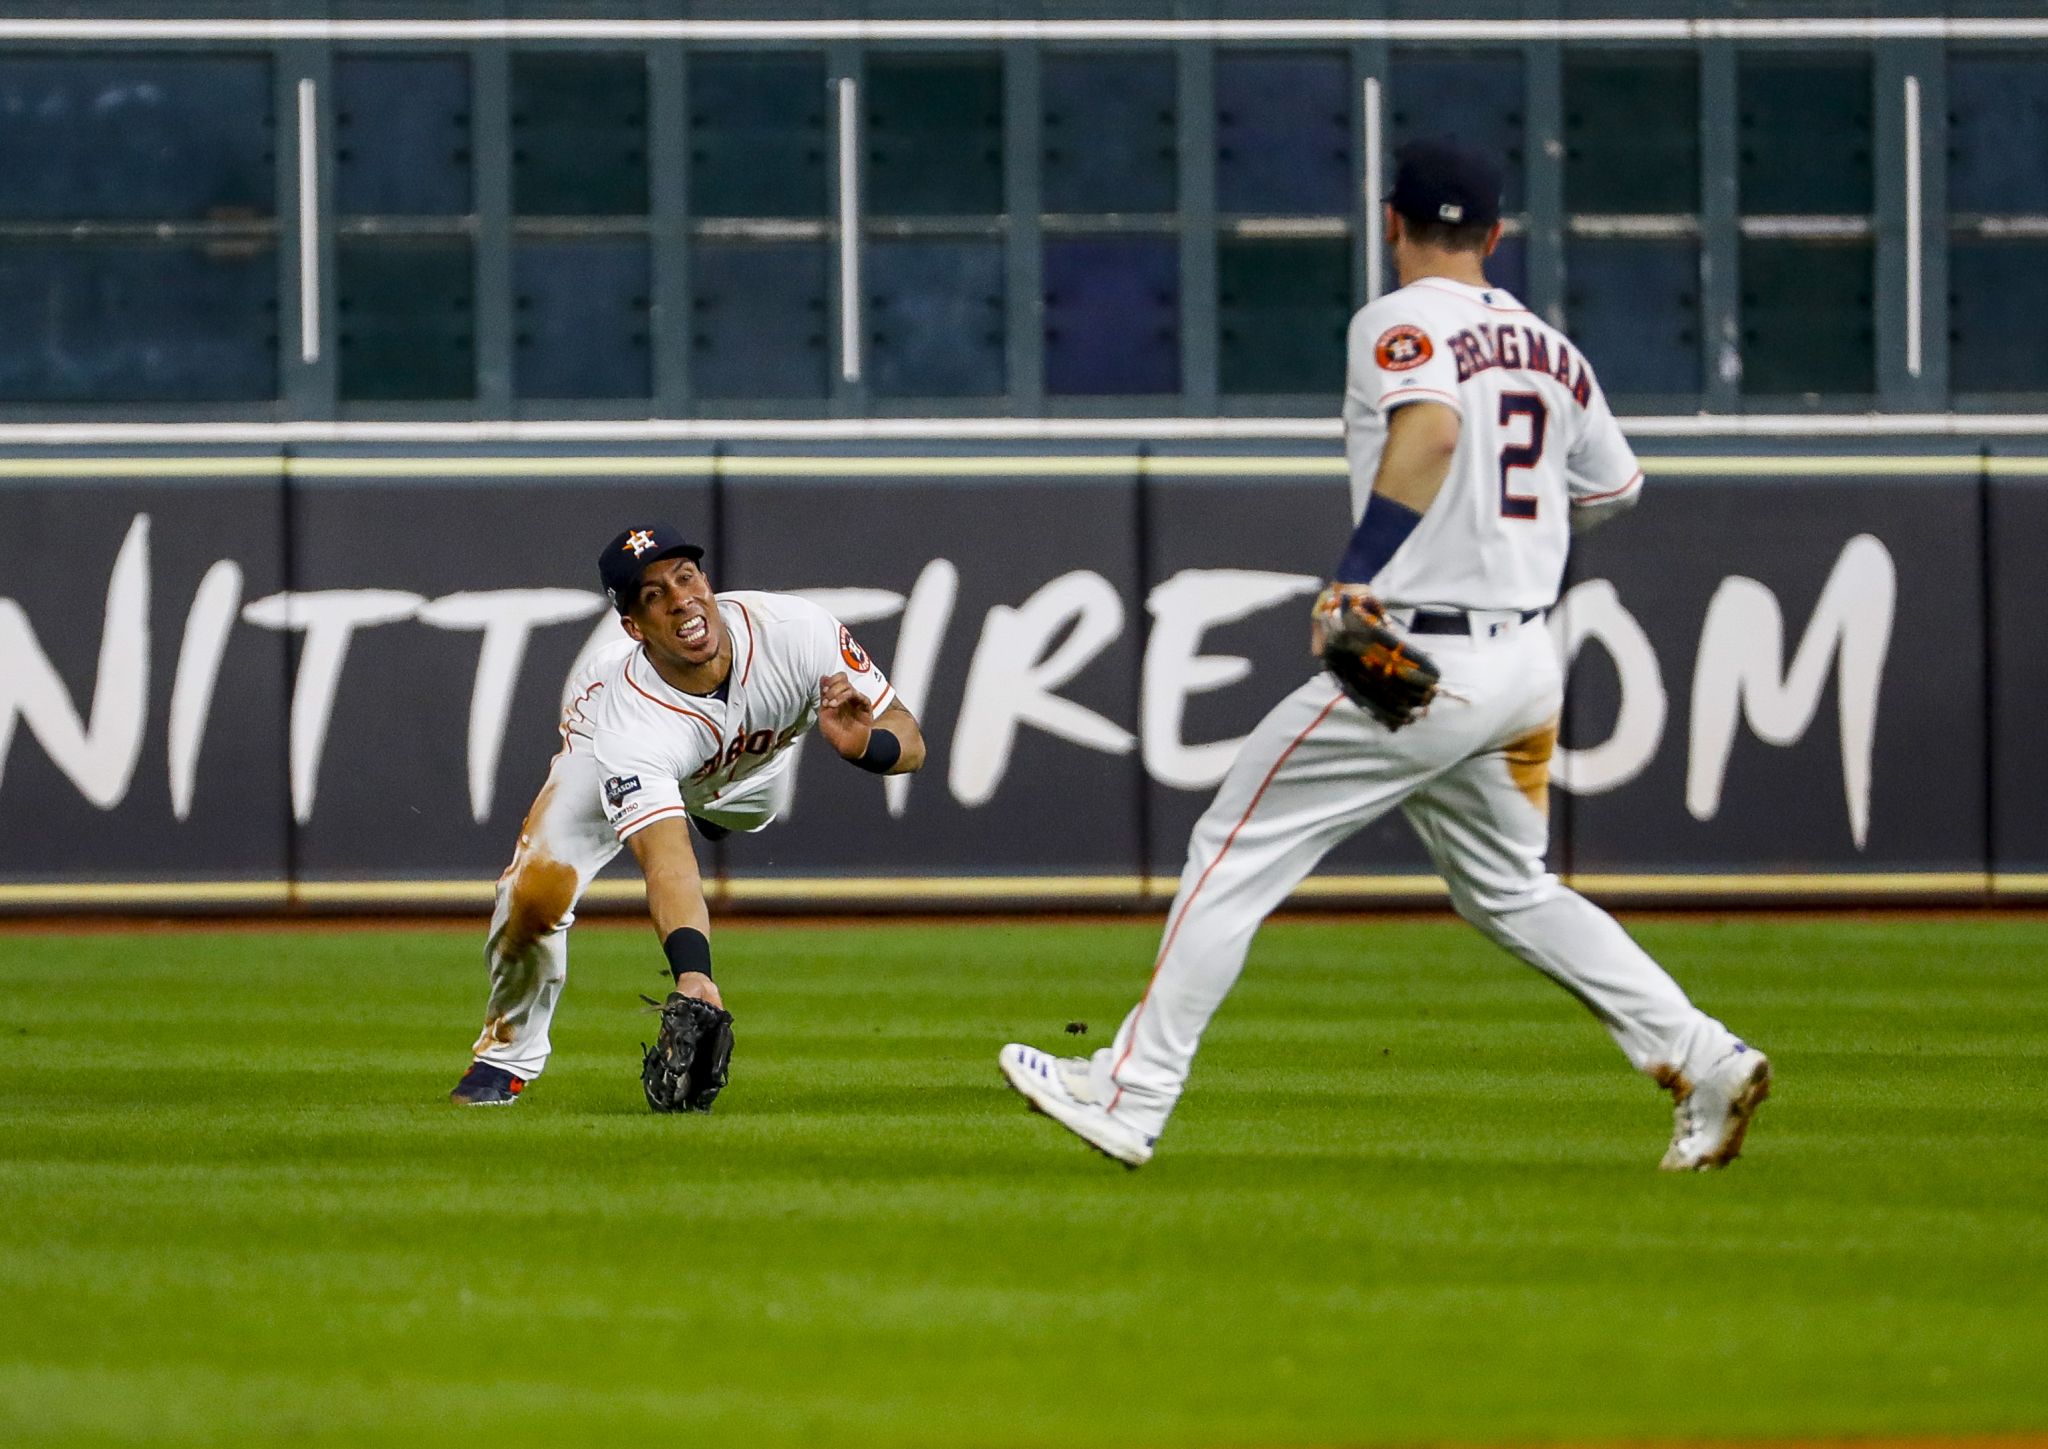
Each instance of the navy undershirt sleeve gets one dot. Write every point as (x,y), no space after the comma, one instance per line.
(1384,527)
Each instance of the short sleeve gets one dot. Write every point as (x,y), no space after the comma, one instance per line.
(1601,467)
(840,653)
(1395,358)
(638,786)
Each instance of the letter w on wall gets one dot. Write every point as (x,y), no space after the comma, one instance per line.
(1741,668)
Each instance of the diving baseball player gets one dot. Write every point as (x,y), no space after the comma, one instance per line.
(1478,442)
(686,723)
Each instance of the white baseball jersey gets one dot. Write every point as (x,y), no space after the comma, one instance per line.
(661,752)
(1536,439)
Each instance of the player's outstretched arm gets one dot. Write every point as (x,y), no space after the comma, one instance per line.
(675,899)
(889,745)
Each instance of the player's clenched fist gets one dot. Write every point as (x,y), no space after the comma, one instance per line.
(845,717)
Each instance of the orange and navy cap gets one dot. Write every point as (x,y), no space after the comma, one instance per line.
(623,559)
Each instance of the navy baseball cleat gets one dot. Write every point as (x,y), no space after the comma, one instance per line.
(484,1085)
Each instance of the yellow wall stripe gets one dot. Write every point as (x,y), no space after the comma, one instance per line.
(515,466)
(262,465)
(914,890)
(1850,466)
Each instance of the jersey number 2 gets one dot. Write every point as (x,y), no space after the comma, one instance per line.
(1521,455)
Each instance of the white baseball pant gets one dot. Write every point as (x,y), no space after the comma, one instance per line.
(1472,776)
(564,843)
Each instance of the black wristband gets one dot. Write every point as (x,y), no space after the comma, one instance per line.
(882,753)
(688,949)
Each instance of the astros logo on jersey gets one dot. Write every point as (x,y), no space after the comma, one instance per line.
(639,541)
(1402,347)
(856,657)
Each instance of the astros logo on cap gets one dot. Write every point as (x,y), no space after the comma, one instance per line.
(639,541)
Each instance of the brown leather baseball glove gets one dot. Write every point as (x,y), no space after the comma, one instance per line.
(1385,674)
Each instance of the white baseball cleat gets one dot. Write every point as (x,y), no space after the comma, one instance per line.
(1060,1088)
(1712,1119)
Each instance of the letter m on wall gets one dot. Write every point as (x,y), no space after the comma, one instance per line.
(1742,670)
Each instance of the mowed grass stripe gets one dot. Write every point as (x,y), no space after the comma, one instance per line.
(1409,1199)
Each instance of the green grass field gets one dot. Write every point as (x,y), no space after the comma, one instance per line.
(1411,1198)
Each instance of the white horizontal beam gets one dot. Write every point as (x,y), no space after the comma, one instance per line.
(994,31)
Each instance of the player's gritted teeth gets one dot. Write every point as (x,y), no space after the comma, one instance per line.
(675,614)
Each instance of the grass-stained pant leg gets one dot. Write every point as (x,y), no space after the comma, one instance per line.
(1486,822)
(564,842)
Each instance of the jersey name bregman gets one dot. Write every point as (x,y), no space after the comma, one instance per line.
(1524,349)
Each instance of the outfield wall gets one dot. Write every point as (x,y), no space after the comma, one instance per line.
(327,676)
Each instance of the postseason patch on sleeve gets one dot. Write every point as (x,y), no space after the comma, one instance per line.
(1401,347)
(619,787)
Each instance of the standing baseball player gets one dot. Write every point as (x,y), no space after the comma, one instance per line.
(685,724)
(1478,442)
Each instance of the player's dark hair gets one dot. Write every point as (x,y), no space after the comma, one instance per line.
(1444,236)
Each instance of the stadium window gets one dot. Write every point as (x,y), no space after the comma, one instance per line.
(1805,130)
(1634,305)
(1806,317)
(1998,223)
(580,318)
(1282,308)
(1632,230)
(759,319)
(1632,134)
(137,138)
(933,277)
(935,318)
(1284,199)
(137,321)
(1112,315)
(1110,134)
(1993,280)
(138,228)
(1998,133)
(405,323)
(1283,133)
(401,135)
(580,199)
(759,138)
(761,143)
(404,200)
(934,135)
(579,134)
(1111,255)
